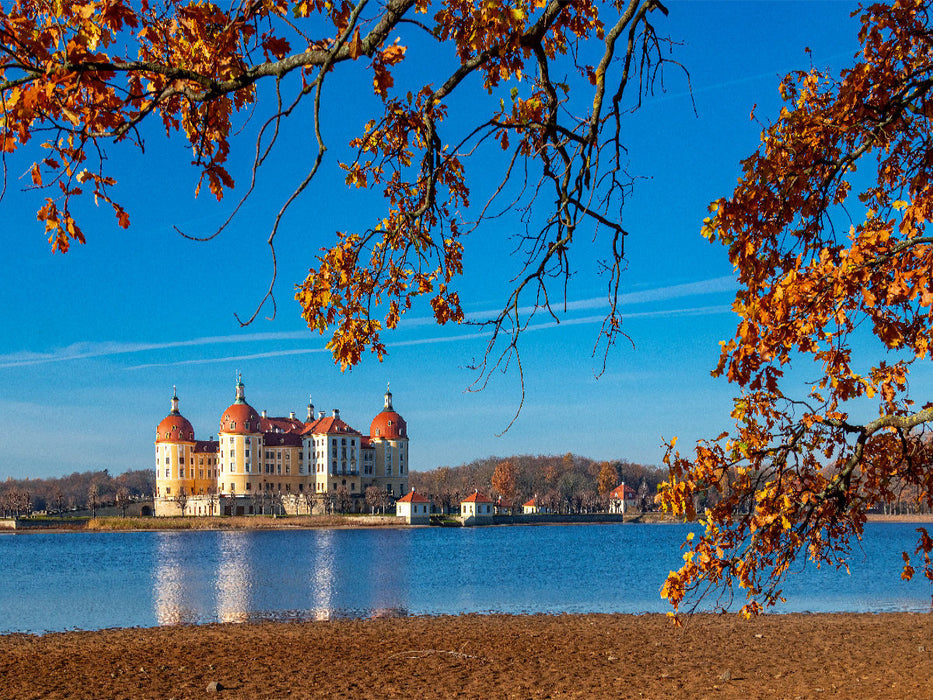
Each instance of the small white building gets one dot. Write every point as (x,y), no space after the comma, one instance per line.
(622,499)
(532,507)
(476,509)
(415,508)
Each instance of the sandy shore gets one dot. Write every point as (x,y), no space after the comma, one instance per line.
(474,656)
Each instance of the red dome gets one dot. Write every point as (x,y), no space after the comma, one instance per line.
(389,425)
(240,418)
(174,428)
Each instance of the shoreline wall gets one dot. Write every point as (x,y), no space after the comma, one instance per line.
(544,519)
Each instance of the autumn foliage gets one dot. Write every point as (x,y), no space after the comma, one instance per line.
(827,233)
(81,77)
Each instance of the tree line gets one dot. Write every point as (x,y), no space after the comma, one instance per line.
(563,484)
(77,491)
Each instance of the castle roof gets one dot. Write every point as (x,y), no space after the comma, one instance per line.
(388,424)
(174,427)
(331,425)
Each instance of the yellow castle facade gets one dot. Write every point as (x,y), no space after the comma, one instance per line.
(263,464)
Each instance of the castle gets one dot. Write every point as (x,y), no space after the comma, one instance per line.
(262,464)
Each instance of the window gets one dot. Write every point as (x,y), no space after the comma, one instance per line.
(168,473)
(232,427)
(168,490)
(181,472)
(248,486)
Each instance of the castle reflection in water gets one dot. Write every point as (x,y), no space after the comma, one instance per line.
(256,576)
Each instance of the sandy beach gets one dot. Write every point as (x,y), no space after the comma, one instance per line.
(478,656)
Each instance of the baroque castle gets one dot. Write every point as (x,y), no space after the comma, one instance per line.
(263,464)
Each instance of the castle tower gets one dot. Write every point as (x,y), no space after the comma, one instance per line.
(240,448)
(388,436)
(174,453)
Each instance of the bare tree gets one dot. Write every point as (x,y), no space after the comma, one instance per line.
(343,499)
(58,498)
(93,498)
(373,497)
(123,499)
(309,499)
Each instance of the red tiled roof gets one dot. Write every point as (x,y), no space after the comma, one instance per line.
(282,425)
(174,428)
(476,497)
(388,425)
(622,492)
(531,504)
(236,418)
(413,497)
(329,426)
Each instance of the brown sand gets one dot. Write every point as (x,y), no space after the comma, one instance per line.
(474,656)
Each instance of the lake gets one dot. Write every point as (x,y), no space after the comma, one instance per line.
(60,581)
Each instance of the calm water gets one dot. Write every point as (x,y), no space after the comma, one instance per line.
(96,580)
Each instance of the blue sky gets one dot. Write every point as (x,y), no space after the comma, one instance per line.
(94,340)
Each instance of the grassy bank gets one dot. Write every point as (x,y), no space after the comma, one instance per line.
(243,522)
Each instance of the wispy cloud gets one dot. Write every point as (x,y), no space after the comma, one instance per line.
(88,350)
(460,337)
(250,356)
(91,350)
(714,285)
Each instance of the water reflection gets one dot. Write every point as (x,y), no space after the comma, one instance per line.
(308,575)
(198,577)
(233,579)
(323,577)
(173,604)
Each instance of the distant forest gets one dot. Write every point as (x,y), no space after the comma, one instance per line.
(80,490)
(562,484)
